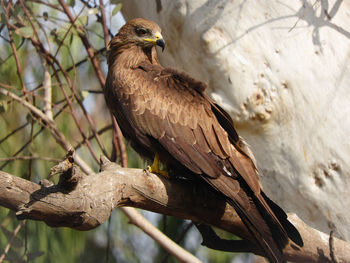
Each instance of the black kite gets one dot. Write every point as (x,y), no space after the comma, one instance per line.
(166,114)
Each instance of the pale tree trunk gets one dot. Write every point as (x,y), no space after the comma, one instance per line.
(281,69)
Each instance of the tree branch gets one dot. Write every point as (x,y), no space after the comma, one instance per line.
(84,202)
(157,235)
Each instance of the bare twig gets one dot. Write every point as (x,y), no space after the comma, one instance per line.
(49,58)
(8,246)
(14,49)
(180,238)
(47,4)
(88,47)
(75,116)
(104,24)
(47,93)
(13,132)
(32,157)
(67,32)
(29,141)
(101,131)
(96,65)
(48,123)
(158,236)
(99,17)
(29,19)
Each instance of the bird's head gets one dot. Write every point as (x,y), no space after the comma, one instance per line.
(142,32)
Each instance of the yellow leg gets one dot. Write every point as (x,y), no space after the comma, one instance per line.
(154,168)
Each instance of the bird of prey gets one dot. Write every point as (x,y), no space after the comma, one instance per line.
(167,117)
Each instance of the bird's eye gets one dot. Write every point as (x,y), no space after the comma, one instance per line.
(141,31)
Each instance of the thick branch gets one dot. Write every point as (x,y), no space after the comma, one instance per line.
(91,200)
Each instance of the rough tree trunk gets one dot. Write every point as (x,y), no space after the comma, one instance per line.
(281,68)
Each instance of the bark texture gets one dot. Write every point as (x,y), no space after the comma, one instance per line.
(84,202)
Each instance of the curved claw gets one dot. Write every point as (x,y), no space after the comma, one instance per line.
(154,168)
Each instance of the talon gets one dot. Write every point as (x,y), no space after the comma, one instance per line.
(147,170)
(154,168)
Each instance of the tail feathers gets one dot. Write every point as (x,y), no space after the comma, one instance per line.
(261,233)
(292,232)
(264,226)
(278,232)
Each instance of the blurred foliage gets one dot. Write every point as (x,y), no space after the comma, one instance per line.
(26,29)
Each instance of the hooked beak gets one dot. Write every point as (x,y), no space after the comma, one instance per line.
(161,43)
(157,40)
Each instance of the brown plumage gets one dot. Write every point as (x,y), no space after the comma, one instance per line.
(164,111)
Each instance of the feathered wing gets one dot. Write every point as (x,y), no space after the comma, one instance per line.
(171,110)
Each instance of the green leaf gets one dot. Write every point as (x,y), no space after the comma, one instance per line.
(33,255)
(18,9)
(29,117)
(3,106)
(25,32)
(116,9)
(83,20)
(71,38)
(84,94)
(46,16)
(71,3)
(3,18)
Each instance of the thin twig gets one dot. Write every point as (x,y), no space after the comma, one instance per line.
(26,12)
(34,136)
(138,220)
(49,57)
(96,65)
(13,132)
(75,117)
(48,123)
(67,32)
(8,246)
(103,21)
(47,4)
(63,91)
(47,92)
(178,240)
(14,49)
(85,60)
(88,47)
(99,132)
(98,17)
(32,157)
